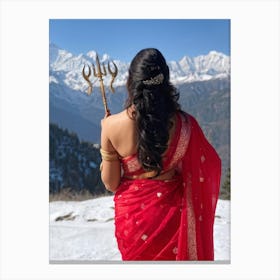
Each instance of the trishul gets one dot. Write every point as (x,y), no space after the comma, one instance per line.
(99,74)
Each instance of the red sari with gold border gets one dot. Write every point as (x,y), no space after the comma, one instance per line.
(170,219)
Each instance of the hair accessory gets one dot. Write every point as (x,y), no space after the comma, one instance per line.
(157,80)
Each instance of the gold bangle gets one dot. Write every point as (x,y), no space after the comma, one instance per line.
(109,156)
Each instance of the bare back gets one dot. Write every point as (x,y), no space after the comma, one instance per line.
(119,134)
(121,130)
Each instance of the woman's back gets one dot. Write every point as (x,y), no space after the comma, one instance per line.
(122,133)
(164,173)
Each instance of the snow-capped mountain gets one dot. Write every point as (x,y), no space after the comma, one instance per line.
(72,108)
(188,69)
(204,67)
(203,83)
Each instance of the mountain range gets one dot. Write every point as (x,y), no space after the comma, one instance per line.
(203,82)
(187,69)
(70,105)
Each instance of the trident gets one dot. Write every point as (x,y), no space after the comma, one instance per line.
(99,74)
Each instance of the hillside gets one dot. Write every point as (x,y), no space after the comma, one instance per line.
(74,167)
(73,164)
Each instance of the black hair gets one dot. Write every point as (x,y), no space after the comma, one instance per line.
(155,101)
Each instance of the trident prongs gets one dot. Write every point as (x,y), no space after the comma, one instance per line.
(94,71)
(113,74)
(104,70)
(98,73)
(86,77)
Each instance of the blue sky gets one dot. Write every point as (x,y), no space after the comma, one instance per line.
(123,38)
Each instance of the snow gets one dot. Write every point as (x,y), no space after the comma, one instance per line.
(222,230)
(92,164)
(88,234)
(190,68)
(52,79)
(84,231)
(92,54)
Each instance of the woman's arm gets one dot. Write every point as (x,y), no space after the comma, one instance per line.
(111,169)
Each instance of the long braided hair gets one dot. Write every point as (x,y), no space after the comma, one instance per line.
(155,101)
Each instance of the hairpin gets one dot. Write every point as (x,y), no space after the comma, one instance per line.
(157,80)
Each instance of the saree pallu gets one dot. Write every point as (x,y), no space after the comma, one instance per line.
(171,219)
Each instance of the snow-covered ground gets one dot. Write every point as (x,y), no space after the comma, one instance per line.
(84,231)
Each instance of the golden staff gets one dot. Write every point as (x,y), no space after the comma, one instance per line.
(99,74)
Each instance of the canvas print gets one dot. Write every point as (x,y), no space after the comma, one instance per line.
(139,140)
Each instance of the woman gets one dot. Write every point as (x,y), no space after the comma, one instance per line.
(163,171)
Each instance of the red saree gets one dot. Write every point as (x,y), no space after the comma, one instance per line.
(171,219)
